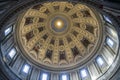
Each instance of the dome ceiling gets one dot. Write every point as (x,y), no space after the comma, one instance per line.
(59,40)
(59,34)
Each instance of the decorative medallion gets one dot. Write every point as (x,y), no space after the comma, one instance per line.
(59,34)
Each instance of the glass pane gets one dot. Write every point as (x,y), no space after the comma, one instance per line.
(107,19)
(12,53)
(44,76)
(8,30)
(26,68)
(64,77)
(83,73)
(110,42)
(100,61)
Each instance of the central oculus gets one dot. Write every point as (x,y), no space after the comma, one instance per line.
(59,24)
